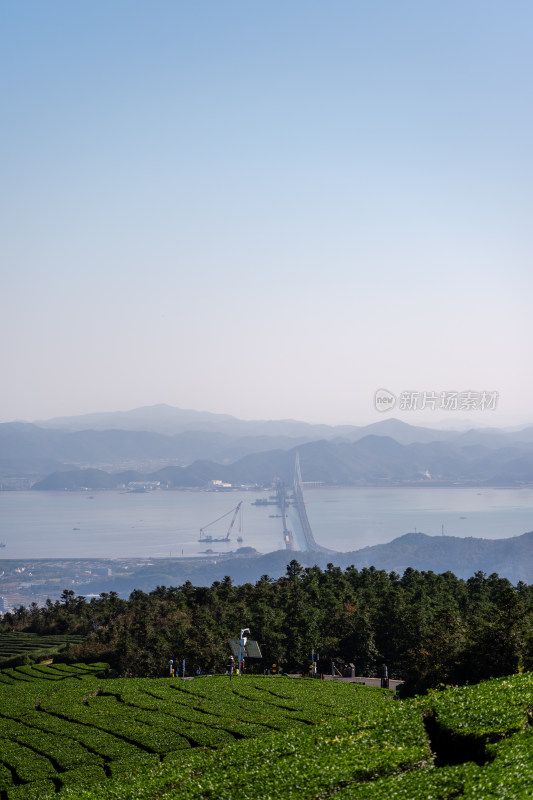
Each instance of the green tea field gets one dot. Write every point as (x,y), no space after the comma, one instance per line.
(68,731)
(15,646)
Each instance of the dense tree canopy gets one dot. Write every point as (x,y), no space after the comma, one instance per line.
(429,629)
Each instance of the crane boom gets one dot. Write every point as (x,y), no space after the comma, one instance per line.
(233,520)
(205,538)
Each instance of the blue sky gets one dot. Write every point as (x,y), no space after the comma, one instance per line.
(267,210)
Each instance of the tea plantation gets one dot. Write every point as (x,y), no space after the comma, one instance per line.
(68,731)
(19,647)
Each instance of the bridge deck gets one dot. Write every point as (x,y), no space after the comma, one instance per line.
(310,542)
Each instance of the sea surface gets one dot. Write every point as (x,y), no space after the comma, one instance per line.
(161,524)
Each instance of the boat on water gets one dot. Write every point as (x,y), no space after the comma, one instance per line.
(208,539)
(2,544)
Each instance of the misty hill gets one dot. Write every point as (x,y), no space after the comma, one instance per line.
(26,449)
(374,460)
(29,450)
(168,420)
(510,558)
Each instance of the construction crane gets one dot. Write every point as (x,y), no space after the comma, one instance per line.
(208,538)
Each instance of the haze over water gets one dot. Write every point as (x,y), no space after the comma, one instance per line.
(167,523)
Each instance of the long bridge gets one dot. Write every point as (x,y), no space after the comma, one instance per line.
(281,499)
(310,542)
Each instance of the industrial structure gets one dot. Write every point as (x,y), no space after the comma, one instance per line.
(206,537)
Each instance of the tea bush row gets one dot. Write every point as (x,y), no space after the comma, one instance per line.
(381,754)
(95,724)
(17,648)
(300,739)
(294,764)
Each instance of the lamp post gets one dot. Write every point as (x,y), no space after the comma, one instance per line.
(242,644)
(243,647)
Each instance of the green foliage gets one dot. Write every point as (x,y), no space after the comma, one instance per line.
(427,628)
(39,790)
(132,739)
(86,774)
(71,726)
(19,648)
(66,726)
(496,708)
(26,764)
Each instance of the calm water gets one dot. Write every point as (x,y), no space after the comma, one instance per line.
(347,519)
(160,524)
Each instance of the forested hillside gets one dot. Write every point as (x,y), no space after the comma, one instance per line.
(429,629)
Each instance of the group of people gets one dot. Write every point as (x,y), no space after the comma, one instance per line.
(232,667)
(174,668)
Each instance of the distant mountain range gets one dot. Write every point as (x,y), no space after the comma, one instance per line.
(374,460)
(61,453)
(169,421)
(27,449)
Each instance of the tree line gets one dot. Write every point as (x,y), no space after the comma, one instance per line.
(429,629)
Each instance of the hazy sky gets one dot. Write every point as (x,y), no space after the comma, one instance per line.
(269,210)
